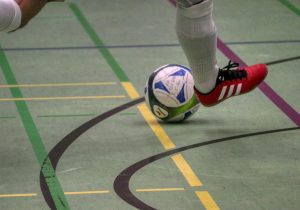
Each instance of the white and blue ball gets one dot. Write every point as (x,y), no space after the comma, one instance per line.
(169,93)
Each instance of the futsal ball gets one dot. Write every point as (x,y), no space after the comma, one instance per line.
(169,93)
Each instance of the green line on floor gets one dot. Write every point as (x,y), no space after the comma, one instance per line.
(290,6)
(98,42)
(34,136)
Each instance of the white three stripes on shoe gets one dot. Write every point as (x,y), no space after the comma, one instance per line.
(231,91)
(238,89)
(222,93)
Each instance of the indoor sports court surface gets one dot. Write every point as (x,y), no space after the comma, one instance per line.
(70,93)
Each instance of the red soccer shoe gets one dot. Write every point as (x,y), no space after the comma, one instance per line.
(233,81)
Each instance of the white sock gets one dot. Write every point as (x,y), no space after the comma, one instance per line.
(197,35)
(187,3)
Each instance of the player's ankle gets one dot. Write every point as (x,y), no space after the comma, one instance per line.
(205,88)
(188,3)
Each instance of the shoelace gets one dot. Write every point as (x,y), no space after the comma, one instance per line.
(231,72)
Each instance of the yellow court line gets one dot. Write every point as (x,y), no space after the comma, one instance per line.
(95,192)
(160,133)
(87,192)
(61,98)
(163,137)
(160,190)
(150,119)
(131,91)
(18,195)
(59,84)
(207,200)
(187,171)
(168,144)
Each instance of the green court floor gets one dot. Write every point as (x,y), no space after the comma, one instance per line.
(78,60)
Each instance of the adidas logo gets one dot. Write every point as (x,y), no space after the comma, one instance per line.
(233,90)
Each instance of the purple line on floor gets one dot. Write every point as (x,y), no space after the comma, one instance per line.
(287,109)
(264,87)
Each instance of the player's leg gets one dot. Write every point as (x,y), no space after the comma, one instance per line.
(188,3)
(197,35)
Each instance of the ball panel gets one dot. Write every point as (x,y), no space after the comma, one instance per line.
(169,93)
(175,81)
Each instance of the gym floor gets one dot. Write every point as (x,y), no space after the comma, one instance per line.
(64,74)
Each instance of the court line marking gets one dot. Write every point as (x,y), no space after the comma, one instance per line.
(142,46)
(115,67)
(290,6)
(78,115)
(173,2)
(203,194)
(18,195)
(59,84)
(58,198)
(95,192)
(158,130)
(266,89)
(65,115)
(160,190)
(61,98)
(186,170)
(88,192)
(207,200)
(164,138)
(273,96)
(7,117)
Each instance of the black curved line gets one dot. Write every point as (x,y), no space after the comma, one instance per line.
(57,151)
(121,183)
